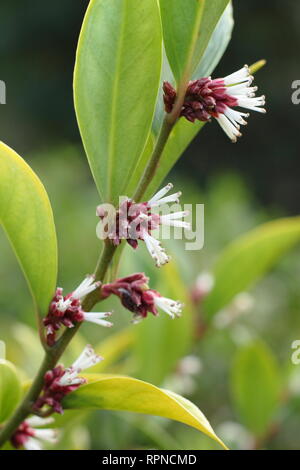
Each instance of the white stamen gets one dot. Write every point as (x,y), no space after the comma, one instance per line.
(87,359)
(62,305)
(97,317)
(70,378)
(236,116)
(165,200)
(88,285)
(257,101)
(160,193)
(252,103)
(240,76)
(238,86)
(155,249)
(171,307)
(36,421)
(171,220)
(242,89)
(232,131)
(48,435)
(176,215)
(32,444)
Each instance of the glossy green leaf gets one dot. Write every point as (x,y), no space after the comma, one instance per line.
(217,45)
(10,389)
(255,384)
(187,28)
(128,394)
(248,258)
(116,81)
(26,216)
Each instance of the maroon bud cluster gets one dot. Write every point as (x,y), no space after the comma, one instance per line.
(21,435)
(205,98)
(58,317)
(53,391)
(132,220)
(134,294)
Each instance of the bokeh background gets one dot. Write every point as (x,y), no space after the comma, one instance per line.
(241,185)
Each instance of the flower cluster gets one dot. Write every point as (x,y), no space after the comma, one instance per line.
(202,287)
(59,381)
(135,221)
(67,311)
(27,436)
(206,98)
(136,296)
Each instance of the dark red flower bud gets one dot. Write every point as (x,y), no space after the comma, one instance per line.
(138,298)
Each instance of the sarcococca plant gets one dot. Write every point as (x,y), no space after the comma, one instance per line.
(142,91)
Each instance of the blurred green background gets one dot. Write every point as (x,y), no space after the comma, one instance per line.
(236,367)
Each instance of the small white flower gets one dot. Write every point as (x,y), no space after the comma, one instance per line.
(204,283)
(88,285)
(158,199)
(45,435)
(155,249)
(171,307)
(87,358)
(238,87)
(242,75)
(173,219)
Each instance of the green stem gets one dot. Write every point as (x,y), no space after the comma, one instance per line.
(167,126)
(53,354)
(154,160)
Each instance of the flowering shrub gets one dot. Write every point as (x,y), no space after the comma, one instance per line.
(132,100)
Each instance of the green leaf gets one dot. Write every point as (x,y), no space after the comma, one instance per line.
(184,132)
(26,216)
(128,394)
(217,45)
(187,28)
(255,386)
(116,81)
(248,258)
(10,389)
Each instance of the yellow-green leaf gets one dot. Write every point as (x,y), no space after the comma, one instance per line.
(128,394)
(248,258)
(26,216)
(10,389)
